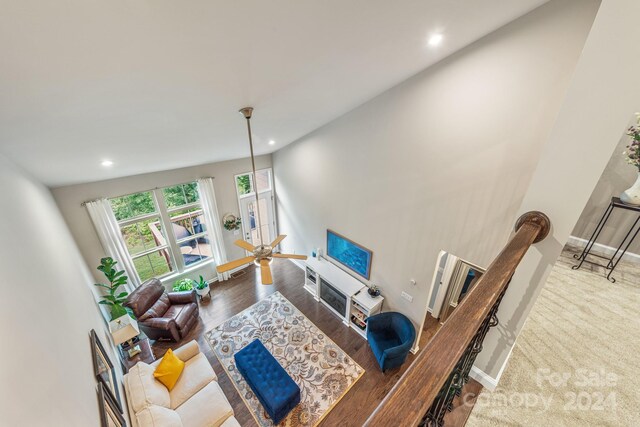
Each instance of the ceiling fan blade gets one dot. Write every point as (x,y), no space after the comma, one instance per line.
(265,272)
(294,256)
(245,245)
(279,239)
(233,264)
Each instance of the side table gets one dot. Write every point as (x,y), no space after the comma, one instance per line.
(145,355)
(612,262)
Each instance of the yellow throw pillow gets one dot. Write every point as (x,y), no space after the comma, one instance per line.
(169,370)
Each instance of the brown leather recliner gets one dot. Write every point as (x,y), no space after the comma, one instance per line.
(161,314)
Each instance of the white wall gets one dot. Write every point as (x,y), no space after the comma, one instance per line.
(441,161)
(617,177)
(70,197)
(603,95)
(46,311)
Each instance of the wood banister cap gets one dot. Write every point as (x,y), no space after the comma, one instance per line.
(536,218)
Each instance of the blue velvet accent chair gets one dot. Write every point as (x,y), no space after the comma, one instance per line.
(391,336)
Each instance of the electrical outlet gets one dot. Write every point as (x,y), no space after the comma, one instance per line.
(236,232)
(407,297)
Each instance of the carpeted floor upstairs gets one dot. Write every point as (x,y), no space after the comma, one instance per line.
(575,363)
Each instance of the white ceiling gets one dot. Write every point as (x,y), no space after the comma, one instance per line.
(156,84)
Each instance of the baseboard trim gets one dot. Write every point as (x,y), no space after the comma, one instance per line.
(298,263)
(215,279)
(602,249)
(486,380)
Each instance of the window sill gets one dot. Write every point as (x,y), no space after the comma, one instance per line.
(174,276)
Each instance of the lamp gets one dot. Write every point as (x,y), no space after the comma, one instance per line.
(125,329)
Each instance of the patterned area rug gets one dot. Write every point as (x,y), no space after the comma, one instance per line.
(322,370)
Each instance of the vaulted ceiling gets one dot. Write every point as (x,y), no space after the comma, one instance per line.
(154,85)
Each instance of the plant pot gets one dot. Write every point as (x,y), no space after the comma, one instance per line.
(631,196)
(202,292)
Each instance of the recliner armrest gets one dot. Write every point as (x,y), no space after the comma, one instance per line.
(185,297)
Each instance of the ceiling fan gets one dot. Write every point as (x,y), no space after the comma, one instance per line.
(262,254)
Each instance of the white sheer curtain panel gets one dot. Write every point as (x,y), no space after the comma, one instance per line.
(111,238)
(212,220)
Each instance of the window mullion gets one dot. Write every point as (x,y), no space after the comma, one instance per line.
(174,248)
(193,236)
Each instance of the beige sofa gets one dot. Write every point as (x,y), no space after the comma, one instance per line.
(195,401)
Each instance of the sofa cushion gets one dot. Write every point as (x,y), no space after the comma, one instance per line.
(156,416)
(181,313)
(143,389)
(158,309)
(207,408)
(196,375)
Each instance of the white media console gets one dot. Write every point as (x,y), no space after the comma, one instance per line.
(343,294)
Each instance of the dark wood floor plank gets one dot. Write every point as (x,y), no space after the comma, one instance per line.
(231,297)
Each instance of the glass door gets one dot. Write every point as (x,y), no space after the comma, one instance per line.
(249,210)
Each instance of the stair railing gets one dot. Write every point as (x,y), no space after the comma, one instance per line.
(425,392)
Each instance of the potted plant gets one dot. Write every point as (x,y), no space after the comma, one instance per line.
(183,285)
(202,287)
(631,195)
(114,299)
(374,291)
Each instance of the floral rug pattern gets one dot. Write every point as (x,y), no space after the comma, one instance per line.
(322,370)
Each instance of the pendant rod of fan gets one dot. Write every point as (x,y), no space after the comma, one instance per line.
(246,112)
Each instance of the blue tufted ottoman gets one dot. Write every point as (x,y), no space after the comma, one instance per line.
(273,387)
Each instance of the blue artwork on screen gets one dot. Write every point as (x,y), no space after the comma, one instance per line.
(349,254)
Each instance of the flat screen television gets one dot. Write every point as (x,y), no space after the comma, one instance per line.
(355,257)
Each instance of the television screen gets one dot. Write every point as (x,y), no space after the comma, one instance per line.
(350,254)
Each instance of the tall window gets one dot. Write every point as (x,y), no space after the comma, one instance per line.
(249,208)
(163,229)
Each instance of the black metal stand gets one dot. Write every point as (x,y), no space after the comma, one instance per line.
(612,262)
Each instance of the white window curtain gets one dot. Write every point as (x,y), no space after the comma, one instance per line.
(212,220)
(109,233)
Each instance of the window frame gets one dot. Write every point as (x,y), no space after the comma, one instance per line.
(240,197)
(172,244)
(251,192)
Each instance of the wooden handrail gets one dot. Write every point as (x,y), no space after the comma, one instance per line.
(412,396)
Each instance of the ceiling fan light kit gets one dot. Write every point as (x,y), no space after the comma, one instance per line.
(262,254)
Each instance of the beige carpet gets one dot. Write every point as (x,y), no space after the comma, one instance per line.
(322,370)
(575,363)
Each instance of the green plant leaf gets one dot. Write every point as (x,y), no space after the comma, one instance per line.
(117,311)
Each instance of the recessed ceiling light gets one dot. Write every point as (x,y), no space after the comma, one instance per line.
(271,142)
(435,39)
(107,163)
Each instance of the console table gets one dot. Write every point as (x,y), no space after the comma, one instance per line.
(341,293)
(612,262)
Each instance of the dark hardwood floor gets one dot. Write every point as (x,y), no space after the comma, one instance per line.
(232,296)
